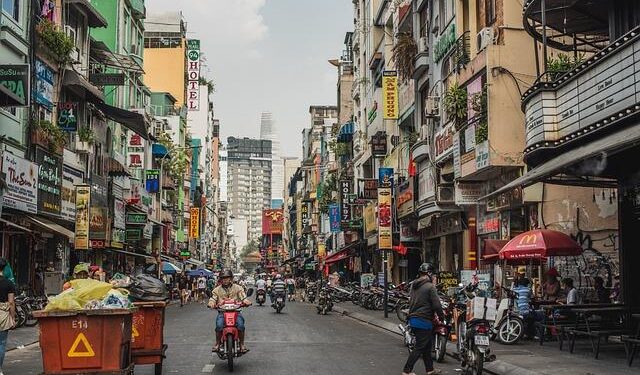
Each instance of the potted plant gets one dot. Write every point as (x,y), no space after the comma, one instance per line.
(86,138)
(404,54)
(455,104)
(49,135)
(57,45)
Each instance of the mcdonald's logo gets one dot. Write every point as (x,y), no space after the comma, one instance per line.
(528,239)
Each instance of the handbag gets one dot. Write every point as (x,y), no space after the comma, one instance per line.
(6,320)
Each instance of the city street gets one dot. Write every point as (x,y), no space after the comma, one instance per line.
(297,341)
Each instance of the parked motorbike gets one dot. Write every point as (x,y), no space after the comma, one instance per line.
(509,324)
(311,291)
(324,302)
(261,297)
(278,303)
(442,330)
(230,348)
(473,337)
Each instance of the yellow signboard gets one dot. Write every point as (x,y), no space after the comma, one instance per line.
(370,218)
(390,95)
(83,194)
(321,250)
(194,228)
(385,220)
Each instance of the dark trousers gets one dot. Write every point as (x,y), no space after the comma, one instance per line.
(424,341)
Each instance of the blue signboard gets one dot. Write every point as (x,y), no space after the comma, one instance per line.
(152,177)
(334,217)
(44,84)
(385,177)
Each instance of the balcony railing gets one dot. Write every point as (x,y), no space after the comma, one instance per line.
(598,93)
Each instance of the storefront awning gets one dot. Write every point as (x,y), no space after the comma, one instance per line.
(51,226)
(130,253)
(492,248)
(346,133)
(341,255)
(595,151)
(75,80)
(132,120)
(13,225)
(95,18)
(116,169)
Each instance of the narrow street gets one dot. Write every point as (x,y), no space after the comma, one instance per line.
(297,341)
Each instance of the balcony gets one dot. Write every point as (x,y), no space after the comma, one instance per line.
(593,98)
(138,9)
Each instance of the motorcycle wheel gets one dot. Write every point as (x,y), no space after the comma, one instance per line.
(21,316)
(401,311)
(29,320)
(460,333)
(440,346)
(230,352)
(510,331)
(475,362)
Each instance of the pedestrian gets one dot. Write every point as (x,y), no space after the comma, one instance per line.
(523,302)
(183,285)
(202,287)
(424,304)
(551,286)
(602,293)
(291,286)
(7,310)
(570,290)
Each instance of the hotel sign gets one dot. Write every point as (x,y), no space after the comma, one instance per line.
(193,74)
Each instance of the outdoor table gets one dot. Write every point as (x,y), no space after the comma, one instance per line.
(584,314)
(631,343)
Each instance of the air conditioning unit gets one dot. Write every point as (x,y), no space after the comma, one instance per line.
(422,44)
(432,107)
(445,194)
(485,37)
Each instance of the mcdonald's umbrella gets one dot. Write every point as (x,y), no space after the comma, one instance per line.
(538,244)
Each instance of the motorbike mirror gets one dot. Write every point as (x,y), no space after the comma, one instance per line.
(250,292)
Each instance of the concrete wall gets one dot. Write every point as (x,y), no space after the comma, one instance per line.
(165,71)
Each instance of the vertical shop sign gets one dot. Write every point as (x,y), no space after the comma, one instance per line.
(21,179)
(334,217)
(457,163)
(44,84)
(70,179)
(83,194)
(390,95)
(135,151)
(385,220)
(345,207)
(385,177)
(49,182)
(193,74)
(152,179)
(194,227)
(304,216)
(68,116)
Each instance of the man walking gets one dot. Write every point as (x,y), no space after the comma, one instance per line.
(424,303)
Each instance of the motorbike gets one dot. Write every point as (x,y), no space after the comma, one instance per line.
(324,302)
(279,303)
(261,297)
(472,336)
(509,324)
(310,292)
(230,348)
(441,331)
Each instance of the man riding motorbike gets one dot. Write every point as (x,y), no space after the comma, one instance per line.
(278,288)
(228,290)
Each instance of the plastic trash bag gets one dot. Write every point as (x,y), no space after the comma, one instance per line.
(147,288)
(81,292)
(116,299)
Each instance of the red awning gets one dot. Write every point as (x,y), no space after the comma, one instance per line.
(338,256)
(491,249)
(538,244)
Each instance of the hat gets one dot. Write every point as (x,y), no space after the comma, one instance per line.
(80,267)
(553,272)
(522,269)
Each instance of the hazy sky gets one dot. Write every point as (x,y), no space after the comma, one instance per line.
(267,55)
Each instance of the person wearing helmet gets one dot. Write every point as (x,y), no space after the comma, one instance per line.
(424,303)
(278,288)
(225,291)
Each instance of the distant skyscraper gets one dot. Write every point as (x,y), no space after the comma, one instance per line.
(268,132)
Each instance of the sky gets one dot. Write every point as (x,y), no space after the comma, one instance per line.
(267,55)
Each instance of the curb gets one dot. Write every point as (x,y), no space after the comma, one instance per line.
(496,367)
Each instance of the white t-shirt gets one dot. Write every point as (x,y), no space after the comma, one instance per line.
(202,283)
(261,284)
(289,281)
(572,296)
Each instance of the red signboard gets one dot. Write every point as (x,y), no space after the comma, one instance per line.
(272,221)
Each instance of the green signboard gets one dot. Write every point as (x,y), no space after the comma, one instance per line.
(185,254)
(445,43)
(136,218)
(15,79)
(134,234)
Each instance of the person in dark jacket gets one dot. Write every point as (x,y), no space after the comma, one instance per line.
(424,304)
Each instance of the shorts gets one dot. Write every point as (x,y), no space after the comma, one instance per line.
(220,322)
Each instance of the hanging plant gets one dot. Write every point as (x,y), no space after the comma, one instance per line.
(57,42)
(455,104)
(404,54)
(53,133)
(412,138)
(86,134)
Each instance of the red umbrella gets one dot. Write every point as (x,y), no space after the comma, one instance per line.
(540,243)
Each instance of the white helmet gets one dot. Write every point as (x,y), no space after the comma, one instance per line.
(278,277)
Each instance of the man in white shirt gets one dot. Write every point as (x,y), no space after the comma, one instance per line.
(202,288)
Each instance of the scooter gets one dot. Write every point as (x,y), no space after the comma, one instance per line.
(324,302)
(279,303)
(509,324)
(261,297)
(441,331)
(473,337)
(230,348)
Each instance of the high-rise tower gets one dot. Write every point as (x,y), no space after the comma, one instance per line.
(268,132)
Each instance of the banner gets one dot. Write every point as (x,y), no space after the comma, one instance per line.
(21,178)
(194,227)
(193,74)
(385,220)
(98,223)
(390,95)
(272,221)
(135,151)
(334,217)
(83,194)
(322,250)
(370,218)
(152,179)
(45,77)
(70,178)
(385,177)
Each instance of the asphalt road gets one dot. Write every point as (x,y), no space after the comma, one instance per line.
(298,341)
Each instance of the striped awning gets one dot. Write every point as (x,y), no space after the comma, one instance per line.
(346,132)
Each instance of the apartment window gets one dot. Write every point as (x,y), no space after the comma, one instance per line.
(490,11)
(446,13)
(12,7)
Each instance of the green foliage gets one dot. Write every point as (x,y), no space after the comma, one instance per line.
(178,160)
(404,54)
(482,130)
(479,105)
(86,134)
(558,66)
(250,247)
(327,187)
(57,42)
(209,83)
(55,135)
(411,138)
(455,104)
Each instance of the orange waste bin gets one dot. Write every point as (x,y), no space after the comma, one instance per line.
(147,334)
(86,342)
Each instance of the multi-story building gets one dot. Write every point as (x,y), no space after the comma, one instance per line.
(249,181)
(268,132)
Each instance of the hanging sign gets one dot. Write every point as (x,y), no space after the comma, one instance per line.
(385,237)
(68,116)
(83,194)
(135,151)
(49,182)
(136,218)
(367,188)
(334,217)
(385,177)
(16,79)
(21,178)
(45,77)
(404,198)
(345,207)
(379,144)
(390,95)
(98,223)
(152,178)
(194,227)
(193,74)
(70,179)
(119,214)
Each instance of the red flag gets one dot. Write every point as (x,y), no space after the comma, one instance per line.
(412,165)
(401,249)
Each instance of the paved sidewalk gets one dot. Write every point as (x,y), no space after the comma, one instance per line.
(525,358)
(21,337)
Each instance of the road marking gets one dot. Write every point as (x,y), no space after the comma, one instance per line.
(208,368)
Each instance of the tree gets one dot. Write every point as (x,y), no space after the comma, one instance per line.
(250,247)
